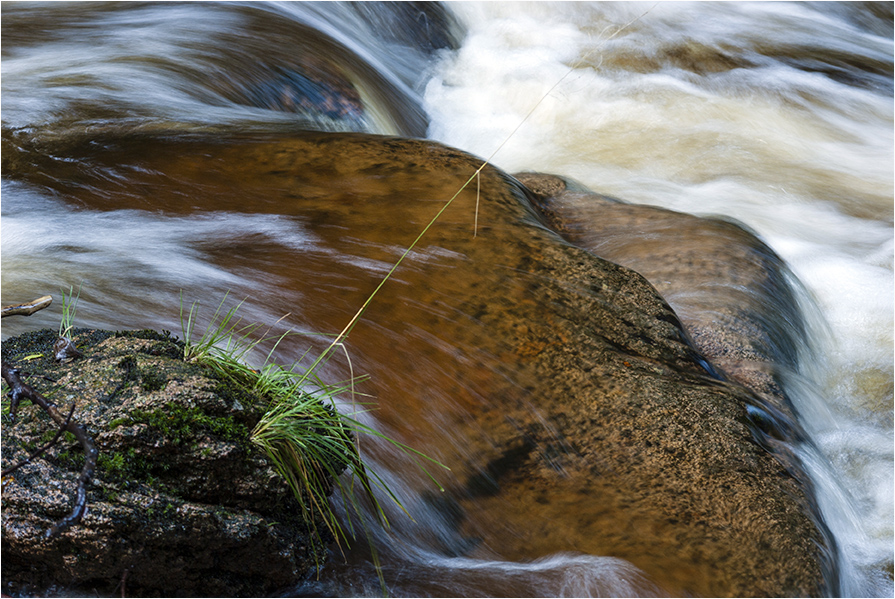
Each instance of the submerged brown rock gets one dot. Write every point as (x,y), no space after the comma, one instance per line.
(561,388)
(181,504)
(733,294)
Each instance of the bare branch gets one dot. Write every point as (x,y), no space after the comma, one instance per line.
(20,390)
(61,430)
(28,308)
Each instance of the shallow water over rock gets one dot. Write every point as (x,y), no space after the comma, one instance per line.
(777,115)
(560,389)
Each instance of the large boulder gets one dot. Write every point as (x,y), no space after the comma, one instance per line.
(733,293)
(561,388)
(181,503)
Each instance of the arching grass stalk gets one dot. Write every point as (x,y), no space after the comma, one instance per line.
(308,441)
(475,175)
(294,417)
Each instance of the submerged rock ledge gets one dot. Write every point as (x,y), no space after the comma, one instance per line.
(181,503)
(563,391)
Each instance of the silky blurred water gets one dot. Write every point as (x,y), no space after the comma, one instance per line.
(779,115)
(776,114)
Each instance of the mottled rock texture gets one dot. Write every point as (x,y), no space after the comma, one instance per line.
(573,408)
(181,504)
(733,293)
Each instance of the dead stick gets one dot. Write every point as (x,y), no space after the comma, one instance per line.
(20,391)
(61,430)
(28,308)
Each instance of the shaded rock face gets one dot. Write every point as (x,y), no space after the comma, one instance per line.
(295,64)
(733,294)
(315,90)
(427,26)
(340,67)
(562,390)
(181,503)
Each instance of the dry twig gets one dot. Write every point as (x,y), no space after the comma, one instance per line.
(28,308)
(18,390)
(14,467)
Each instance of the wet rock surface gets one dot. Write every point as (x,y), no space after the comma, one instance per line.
(329,84)
(733,294)
(573,408)
(180,504)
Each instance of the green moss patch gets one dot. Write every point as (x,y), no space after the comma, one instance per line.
(180,425)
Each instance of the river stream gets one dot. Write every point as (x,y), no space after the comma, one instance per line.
(775,115)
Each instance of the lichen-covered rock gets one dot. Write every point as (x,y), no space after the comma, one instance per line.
(181,503)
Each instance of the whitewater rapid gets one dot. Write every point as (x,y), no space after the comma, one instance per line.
(725,109)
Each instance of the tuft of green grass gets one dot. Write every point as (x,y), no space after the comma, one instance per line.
(305,437)
(223,328)
(69,309)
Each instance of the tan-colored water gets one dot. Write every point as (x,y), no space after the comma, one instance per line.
(778,115)
(559,388)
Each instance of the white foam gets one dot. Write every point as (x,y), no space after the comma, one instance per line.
(803,159)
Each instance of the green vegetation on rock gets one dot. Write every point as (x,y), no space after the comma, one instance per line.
(308,441)
(177,474)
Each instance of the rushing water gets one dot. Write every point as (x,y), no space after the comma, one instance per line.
(778,115)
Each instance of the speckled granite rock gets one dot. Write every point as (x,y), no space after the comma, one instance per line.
(181,504)
(572,407)
(732,292)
